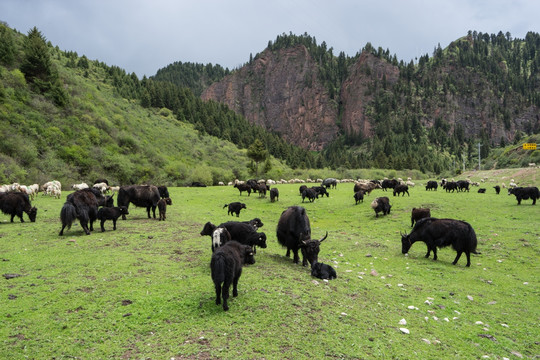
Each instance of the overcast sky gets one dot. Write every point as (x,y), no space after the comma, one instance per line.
(142,36)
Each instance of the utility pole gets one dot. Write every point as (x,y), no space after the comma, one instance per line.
(479,156)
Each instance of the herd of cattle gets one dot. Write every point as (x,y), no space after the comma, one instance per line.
(234,243)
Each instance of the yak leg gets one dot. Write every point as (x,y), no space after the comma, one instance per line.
(84,225)
(153,211)
(428,252)
(62,231)
(434,253)
(225,293)
(235,284)
(458,256)
(288,254)
(102,227)
(296,258)
(218,293)
(114,224)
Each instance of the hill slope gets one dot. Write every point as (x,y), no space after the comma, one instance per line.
(97,133)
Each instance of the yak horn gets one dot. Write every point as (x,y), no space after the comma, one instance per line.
(325,236)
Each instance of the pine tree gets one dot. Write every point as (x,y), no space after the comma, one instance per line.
(257,152)
(37,64)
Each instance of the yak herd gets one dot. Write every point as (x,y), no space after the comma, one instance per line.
(234,243)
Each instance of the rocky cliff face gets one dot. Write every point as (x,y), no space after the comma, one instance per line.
(356,91)
(281,92)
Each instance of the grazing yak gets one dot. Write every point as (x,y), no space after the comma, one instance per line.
(525,193)
(310,194)
(389,184)
(463,185)
(329,182)
(401,189)
(245,233)
(139,195)
(83,205)
(323,271)
(162,207)
(302,189)
(111,213)
(234,208)
(432,185)
(274,194)
(219,235)
(321,191)
(381,204)
(420,213)
(366,187)
(358,196)
(226,268)
(482,191)
(497,189)
(243,187)
(438,233)
(294,233)
(15,203)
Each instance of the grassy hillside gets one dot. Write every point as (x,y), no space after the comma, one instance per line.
(97,133)
(144,290)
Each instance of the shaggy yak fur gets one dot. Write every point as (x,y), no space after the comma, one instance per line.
(438,233)
(226,268)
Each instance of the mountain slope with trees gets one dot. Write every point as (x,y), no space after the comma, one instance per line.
(373,110)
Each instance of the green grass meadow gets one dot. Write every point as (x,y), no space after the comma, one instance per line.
(144,291)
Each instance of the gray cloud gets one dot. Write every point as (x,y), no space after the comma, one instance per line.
(142,36)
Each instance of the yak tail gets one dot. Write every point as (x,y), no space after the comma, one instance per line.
(218,268)
(68,214)
(473,240)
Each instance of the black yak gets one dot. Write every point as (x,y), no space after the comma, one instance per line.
(110,213)
(432,185)
(163,191)
(310,194)
(381,204)
(219,235)
(139,195)
(525,193)
(83,205)
(226,268)
(15,203)
(438,233)
(497,189)
(245,233)
(323,271)
(358,196)
(389,184)
(162,207)
(401,188)
(243,187)
(234,208)
(274,194)
(294,233)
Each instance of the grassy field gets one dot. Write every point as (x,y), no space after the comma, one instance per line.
(144,291)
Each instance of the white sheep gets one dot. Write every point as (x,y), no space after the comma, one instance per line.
(80,186)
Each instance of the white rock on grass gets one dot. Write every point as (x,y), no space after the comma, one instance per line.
(470,297)
(404,330)
(402,322)
(426,341)
(479,323)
